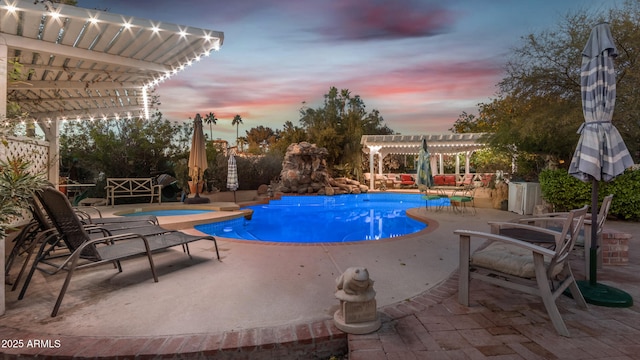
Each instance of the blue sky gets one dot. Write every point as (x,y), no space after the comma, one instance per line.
(421,63)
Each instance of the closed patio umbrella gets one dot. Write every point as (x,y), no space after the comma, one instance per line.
(197,159)
(425,176)
(425,179)
(601,153)
(232,175)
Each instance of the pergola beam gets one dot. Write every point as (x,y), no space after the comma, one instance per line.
(70,70)
(122,112)
(83,99)
(81,85)
(19,42)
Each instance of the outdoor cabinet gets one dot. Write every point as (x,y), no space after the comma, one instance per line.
(523,197)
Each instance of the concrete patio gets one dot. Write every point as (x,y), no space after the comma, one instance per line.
(266,300)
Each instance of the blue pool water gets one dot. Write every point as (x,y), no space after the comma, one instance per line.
(324,219)
(175,212)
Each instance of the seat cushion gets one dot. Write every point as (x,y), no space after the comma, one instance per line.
(450,180)
(430,197)
(509,259)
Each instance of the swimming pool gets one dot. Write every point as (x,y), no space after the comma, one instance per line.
(324,219)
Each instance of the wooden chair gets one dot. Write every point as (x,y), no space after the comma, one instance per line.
(523,266)
(584,238)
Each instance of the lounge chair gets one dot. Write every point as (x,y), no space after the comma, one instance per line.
(22,246)
(82,250)
(40,229)
(524,266)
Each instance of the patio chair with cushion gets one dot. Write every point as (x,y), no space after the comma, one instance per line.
(407,180)
(380,181)
(467,181)
(551,221)
(524,266)
(81,250)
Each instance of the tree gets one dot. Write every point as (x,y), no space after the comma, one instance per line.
(242,141)
(211,119)
(538,108)
(124,148)
(290,134)
(339,125)
(258,136)
(237,120)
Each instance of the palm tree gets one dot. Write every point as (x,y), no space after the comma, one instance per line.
(211,120)
(242,141)
(237,120)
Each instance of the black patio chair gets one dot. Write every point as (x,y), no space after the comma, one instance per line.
(81,250)
(40,229)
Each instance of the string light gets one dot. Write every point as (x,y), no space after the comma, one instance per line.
(207,37)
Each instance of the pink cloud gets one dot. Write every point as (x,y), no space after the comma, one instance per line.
(366,19)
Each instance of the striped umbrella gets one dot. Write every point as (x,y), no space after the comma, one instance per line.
(232,175)
(601,153)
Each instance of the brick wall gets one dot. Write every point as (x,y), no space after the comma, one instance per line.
(615,247)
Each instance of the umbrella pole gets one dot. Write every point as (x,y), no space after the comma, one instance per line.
(593,250)
(594,293)
(197,195)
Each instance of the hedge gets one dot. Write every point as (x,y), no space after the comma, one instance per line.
(564,192)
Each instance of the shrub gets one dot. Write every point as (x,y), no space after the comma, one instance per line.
(564,192)
(626,195)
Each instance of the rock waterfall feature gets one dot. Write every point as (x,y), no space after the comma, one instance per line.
(304,171)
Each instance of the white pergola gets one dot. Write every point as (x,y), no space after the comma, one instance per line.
(76,63)
(438,145)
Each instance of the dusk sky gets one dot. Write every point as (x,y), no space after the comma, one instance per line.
(421,63)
